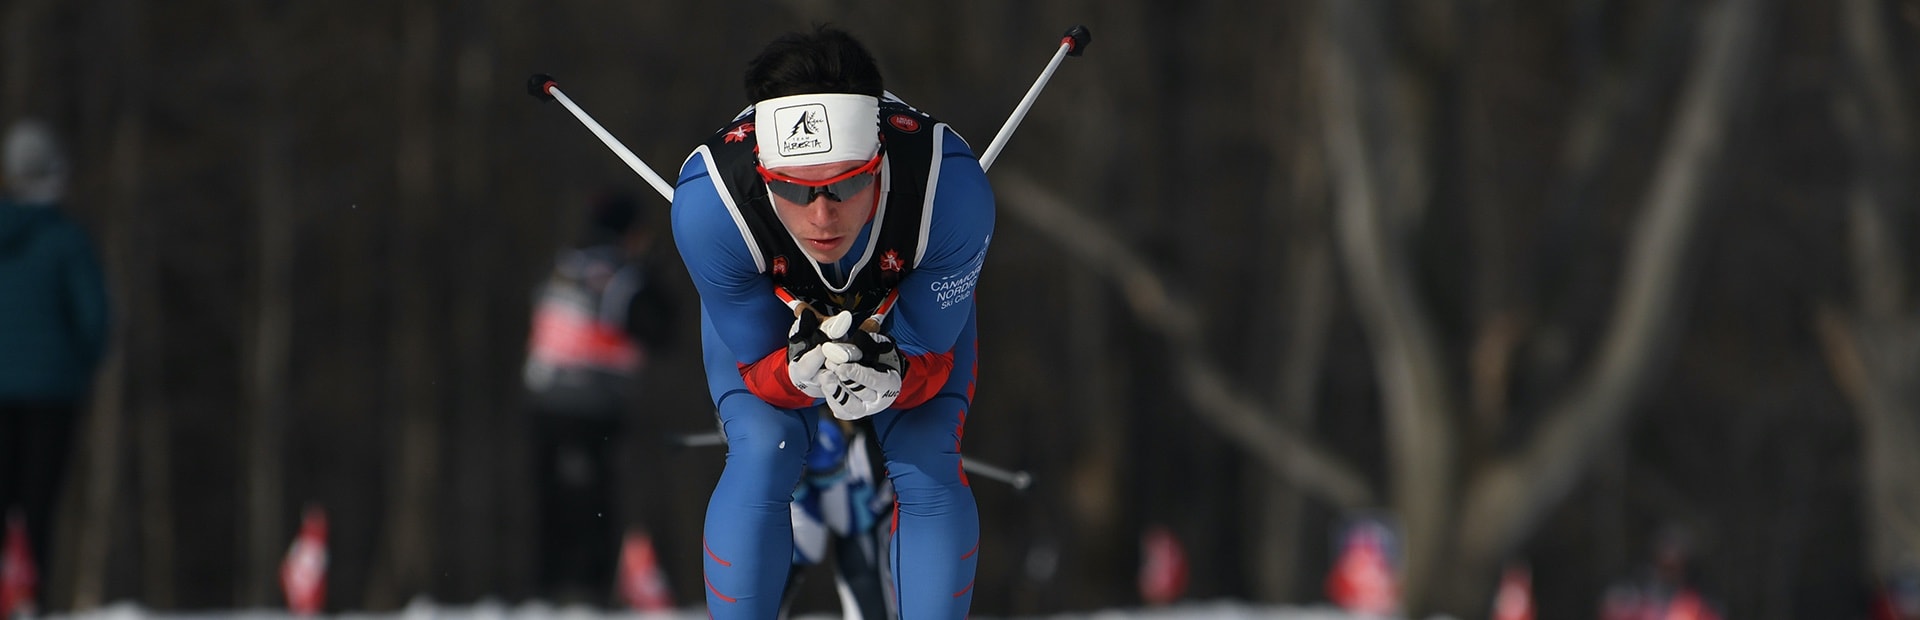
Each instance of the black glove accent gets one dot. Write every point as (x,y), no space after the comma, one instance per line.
(877,352)
(804,336)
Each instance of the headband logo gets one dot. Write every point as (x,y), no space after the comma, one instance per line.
(805,130)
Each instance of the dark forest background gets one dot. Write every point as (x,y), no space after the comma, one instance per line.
(1539,280)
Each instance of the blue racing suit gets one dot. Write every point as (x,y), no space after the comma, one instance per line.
(928,240)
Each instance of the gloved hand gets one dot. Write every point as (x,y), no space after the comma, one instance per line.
(868,368)
(806,362)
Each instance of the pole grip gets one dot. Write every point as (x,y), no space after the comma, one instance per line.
(538,84)
(1078,37)
(1073,43)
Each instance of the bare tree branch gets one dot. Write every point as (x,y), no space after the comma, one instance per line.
(1874,349)
(1875,111)
(1876,364)
(1509,501)
(1370,163)
(1289,453)
(1594,133)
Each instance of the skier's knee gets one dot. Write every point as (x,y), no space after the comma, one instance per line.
(766,440)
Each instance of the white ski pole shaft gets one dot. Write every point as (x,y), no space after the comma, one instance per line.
(1073,43)
(544,87)
(696,440)
(1019,480)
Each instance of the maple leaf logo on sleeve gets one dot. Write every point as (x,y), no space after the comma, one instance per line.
(739,133)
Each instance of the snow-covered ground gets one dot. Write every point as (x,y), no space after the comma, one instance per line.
(420,610)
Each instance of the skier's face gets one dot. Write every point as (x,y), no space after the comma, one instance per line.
(825,226)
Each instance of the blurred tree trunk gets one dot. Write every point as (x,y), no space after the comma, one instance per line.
(268,350)
(28,32)
(155,427)
(1307,298)
(480,415)
(407,545)
(1874,345)
(128,258)
(1095,492)
(1499,319)
(158,544)
(268,340)
(1279,535)
(514,225)
(1374,158)
(93,531)
(1471,520)
(359,424)
(1615,96)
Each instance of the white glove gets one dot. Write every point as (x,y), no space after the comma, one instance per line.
(807,372)
(838,353)
(806,364)
(867,368)
(837,325)
(862,390)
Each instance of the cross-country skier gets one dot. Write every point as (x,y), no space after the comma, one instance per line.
(829,193)
(841,508)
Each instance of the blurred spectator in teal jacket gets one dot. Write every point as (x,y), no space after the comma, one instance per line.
(53,330)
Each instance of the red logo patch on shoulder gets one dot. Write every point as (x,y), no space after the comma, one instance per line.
(891,261)
(904,123)
(779,265)
(739,133)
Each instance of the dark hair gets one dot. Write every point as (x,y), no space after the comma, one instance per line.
(827,60)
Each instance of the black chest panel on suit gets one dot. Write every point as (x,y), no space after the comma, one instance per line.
(908,138)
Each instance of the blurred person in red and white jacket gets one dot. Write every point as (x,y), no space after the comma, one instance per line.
(597,318)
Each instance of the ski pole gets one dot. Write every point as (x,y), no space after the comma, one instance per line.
(695,440)
(1073,43)
(1019,480)
(544,87)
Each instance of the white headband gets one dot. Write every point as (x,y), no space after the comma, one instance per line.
(817,128)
